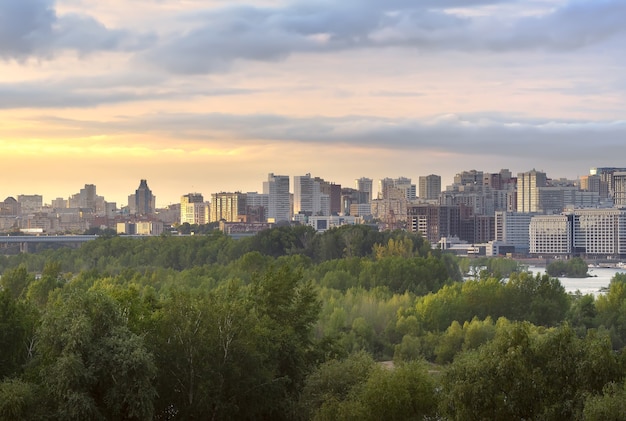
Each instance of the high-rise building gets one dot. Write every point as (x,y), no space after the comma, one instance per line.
(335,199)
(303,191)
(87,198)
(364,185)
(334,195)
(59,203)
(600,231)
(551,234)
(528,185)
(606,179)
(257,205)
(229,207)
(430,187)
(619,189)
(311,196)
(279,206)
(512,229)
(192,209)
(469,178)
(587,232)
(30,202)
(385,187)
(143,201)
(405,185)
(434,222)
(396,188)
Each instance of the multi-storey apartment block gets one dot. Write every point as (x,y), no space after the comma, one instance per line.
(229,207)
(429,187)
(512,228)
(551,235)
(588,232)
(193,209)
(279,205)
(528,184)
(434,221)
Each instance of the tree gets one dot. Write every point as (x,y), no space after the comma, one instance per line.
(404,392)
(573,268)
(539,299)
(333,383)
(19,400)
(90,364)
(528,373)
(288,309)
(609,406)
(50,280)
(16,281)
(611,310)
(16,326)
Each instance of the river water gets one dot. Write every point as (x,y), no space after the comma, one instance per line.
(600,278)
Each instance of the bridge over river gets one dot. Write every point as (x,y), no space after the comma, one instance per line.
(25,240)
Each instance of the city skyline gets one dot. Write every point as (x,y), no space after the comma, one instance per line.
(262,186)
(207,97)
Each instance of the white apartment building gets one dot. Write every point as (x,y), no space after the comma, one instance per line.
(551,235)
(600,231)
(279,205)
(596,232)
(528,184)
(308,197)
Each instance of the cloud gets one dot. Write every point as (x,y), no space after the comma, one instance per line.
(26,27)
(92,91)
(244,32)
(32,28)
(472,135)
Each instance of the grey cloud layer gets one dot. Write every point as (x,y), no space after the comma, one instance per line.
(273,33)
(471,136)
(32,28)
(97,90)
(244,31)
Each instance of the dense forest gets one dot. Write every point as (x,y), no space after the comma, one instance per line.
(351,324)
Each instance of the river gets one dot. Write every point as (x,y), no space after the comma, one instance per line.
(600,278)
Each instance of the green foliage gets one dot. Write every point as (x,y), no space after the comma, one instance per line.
(582,314)
(288,325)
(539,299)
(357,388)
(609,406)
(572,268)
(17,321)
(611,310)
(404,392)
(362,319)
(18,401)
(91,365)
(50,280)
(462,302)
(526,373)
(333,383)
(16,281)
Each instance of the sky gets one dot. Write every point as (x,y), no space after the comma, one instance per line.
(212,95)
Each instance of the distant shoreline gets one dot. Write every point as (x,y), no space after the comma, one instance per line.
(600,263)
